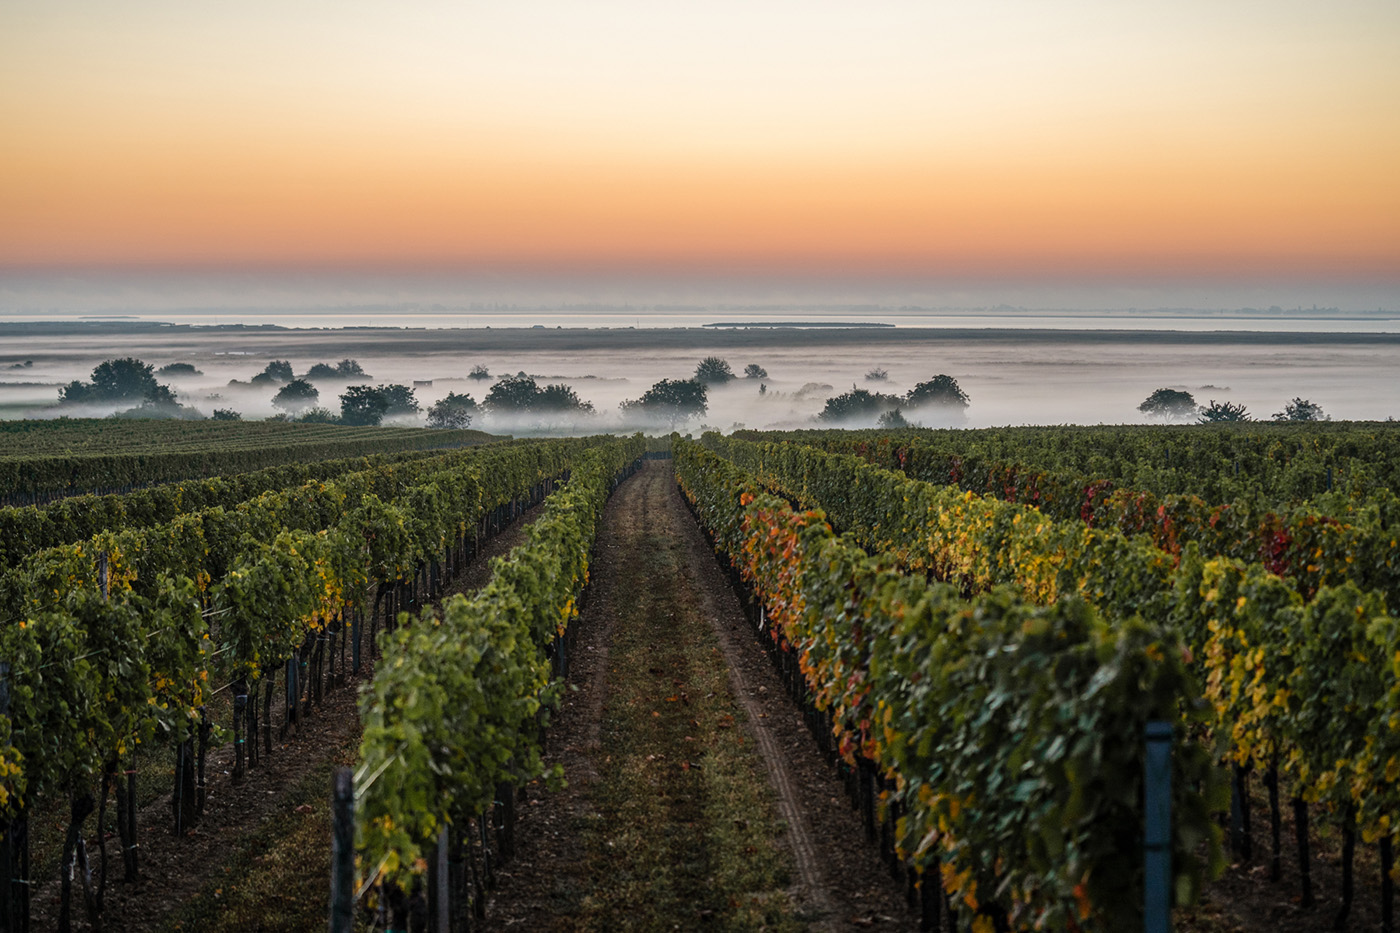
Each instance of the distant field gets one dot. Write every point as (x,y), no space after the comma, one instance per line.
(43,459)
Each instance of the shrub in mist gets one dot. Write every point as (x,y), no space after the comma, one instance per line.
(1169,405)
(345,369)
(401,399)
(893,419)
(318,415)
(123,380)
(453,411)
(1223,411)
(559,397)
(754,371)
(671,401)
(296,396)
(857,405)
(713,370)
(941,390)
(363,405)
(1300,409)
(160,403)
(520,394)
(277,372)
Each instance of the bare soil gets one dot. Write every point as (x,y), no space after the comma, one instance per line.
(1245,900)
(563,877)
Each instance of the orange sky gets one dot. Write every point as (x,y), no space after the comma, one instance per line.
(1019,139)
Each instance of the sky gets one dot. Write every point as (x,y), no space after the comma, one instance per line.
(1082,141)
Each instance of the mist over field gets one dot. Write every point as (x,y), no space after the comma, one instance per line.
(1031,378)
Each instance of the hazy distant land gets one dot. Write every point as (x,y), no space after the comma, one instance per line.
(1013,375)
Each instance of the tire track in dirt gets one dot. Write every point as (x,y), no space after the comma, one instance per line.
(836,881)
(812,888)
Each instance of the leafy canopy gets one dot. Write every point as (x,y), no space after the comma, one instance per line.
(296,396)
(1223,411)
(940,390)
(345,369)
(857,405)
(363,405)
(124,380)
(713,370)
(453,411)
(278,371)
(520,393)
(1301,409)
(1169,405)
(672,399)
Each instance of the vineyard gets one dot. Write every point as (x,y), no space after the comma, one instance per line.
(44,460)
(1277,613)
(1046,665)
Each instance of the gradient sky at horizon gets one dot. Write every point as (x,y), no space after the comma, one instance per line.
(1254,139)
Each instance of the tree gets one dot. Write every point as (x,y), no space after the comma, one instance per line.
(877,375)
(559,397)
(857,405)
(754,371)
(1169,405)
(321,371)
(893,419)
(1223,411)
(123,380)
(1300,409)
(713,370)
(278,371)
(226,414)
(512,394)
(317,415)
(672,400)
(178,369)
(160,396)
(453,411)
(160,402)
(346,369)
(479,372)
(940,390)
(296,396)
(363,405)
(401,400)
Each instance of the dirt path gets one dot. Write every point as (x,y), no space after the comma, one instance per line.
(233,857)
(696,798)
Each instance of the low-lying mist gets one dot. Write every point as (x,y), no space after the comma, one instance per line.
(1008,380)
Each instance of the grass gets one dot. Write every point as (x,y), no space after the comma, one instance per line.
(276,877)
(684,832)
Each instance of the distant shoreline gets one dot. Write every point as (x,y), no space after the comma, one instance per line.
(795,325)
(289,340)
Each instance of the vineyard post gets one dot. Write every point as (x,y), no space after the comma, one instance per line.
(342,919)
(240,706)
(441,888)
(1157,838)
(355,640)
